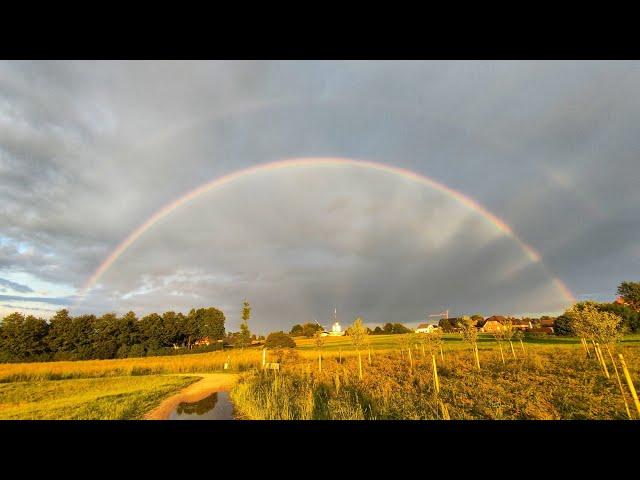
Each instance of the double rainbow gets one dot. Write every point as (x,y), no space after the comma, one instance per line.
(471,204)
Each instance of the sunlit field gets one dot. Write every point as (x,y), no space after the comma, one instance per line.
(545,380)
(117,398)
(451,340)
(238,360)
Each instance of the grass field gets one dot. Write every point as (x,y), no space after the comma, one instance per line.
(547,381)
(452,341)
(117,398)
(551,378)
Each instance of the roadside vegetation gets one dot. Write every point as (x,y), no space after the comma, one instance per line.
(548,382)
(119,398)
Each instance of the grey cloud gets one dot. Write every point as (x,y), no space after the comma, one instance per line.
(16,287)
(89,150)
(51,300)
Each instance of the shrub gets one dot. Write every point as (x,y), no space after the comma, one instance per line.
(279,340)
(136,350)
(563,327)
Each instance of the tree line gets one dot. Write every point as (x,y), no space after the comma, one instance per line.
(86,337)
(309,329)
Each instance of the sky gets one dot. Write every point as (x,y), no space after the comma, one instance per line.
(89,151)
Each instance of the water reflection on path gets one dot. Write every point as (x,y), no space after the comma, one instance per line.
(216,406)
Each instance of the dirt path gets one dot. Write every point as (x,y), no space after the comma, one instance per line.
(211,382)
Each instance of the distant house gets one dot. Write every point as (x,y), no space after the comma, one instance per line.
(426,328)
(495,323)
(204,341)
(548,322)
(620,301)
(491,326)
(336,331)
(521,324)
(543,330)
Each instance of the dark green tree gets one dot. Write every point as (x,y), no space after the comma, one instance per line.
(309,329)
(562,326)
(630,317)
(105,338)
(296,330)
(398,328)
(59,339)
(630,293)
(152,333)
(211,322)
(244,337)
(279,340)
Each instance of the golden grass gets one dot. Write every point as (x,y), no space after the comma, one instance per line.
(116,398)
(545,383)
(193,363)
(242,360)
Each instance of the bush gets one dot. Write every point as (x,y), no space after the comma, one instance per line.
(279,340)
(136,350)
(630,318)
(562,327)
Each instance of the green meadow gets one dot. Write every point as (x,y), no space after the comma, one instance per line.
(115,398)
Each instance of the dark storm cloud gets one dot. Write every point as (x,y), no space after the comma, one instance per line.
(16,287)
(89,150)
(53,301)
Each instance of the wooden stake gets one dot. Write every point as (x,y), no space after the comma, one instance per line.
(320,362)
(597,354)
(264,357)
(410,360)
(630,383)
(436,382)
(604,364)
(501,354)
(369,356)
(615,369)
(475,347)
(586,347)
(445,411)
(512,350)
(441,354)
(359,365)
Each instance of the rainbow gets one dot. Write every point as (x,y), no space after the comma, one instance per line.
(314,162)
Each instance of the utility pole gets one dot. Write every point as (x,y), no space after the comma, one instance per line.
(444,314)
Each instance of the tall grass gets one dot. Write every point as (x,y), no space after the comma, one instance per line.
(205,362)
(547,383)
(88,398)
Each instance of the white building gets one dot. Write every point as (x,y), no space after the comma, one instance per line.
(426,328)
(336,329)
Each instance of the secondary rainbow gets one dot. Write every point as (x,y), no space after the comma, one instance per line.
(315,162)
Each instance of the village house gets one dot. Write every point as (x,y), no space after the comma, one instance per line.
(544,330)
(520,324)
(204,341)
(620,301)
(548,323)
(495,323)
(426,328)
(491,326)
(336,331)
